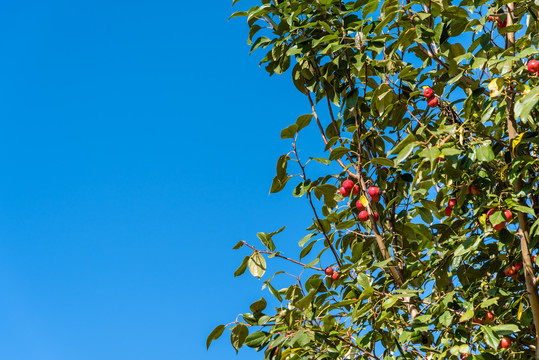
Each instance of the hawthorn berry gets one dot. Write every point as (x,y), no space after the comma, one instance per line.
(533,66)
(433,102)
(359,206)
(374,191)
(363,215)
(505,342)
(428,93)
(348,185)
(508,215)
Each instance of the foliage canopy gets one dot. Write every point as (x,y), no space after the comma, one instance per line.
(426,280)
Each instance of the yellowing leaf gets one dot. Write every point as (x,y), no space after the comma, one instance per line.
(363,200)
(496,86)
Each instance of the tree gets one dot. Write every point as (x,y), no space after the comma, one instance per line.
(440,266)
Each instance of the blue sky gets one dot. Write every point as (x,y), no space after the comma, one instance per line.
(138,144)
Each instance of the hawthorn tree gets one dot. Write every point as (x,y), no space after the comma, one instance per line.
(421,244)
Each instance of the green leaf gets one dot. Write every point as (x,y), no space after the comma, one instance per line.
(279,184)
(382,161)
(306,238)
(489,302)
(306,250)
(306,300)
(337,153)
(238,335)
(239,271)
(369,8)
(238,245)
(302,188)
(491,339)
(410,139)
(214,335)
(405,152)
(303,121)
(289,132)
(258,306)
(255,339)
(280,180)
(505,329)
(525,105)
(322,160)
(432,153)
(257,265)
(524,209)
(484,153)
(467,315)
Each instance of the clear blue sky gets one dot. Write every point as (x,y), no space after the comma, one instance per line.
(138,143)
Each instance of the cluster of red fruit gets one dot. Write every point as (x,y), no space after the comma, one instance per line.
(474,189)
(489,317)
(533,66)
(432,100)
(502,22)
(363,215)
(450,205)
(508,216)
(348,187)
(513,270)
(329,272)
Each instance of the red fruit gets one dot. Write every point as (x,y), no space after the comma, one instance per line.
(355,190)
(385,170)
(452,202)
(363,215)
(360,206)
(348,185)
(375,215)
(344,192)
(499,226)
(490,18)
(533,66)
(433,102)
(375,198)
(508,215)
(428,92)
(518,266)
(441,159)
(374,191)
(335,275)
(505,342)
(533,258)
(329,271)
(502,23)
(475,190)
(478,321)
(510,271)
(463,356)
(448,211)
(489,317)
